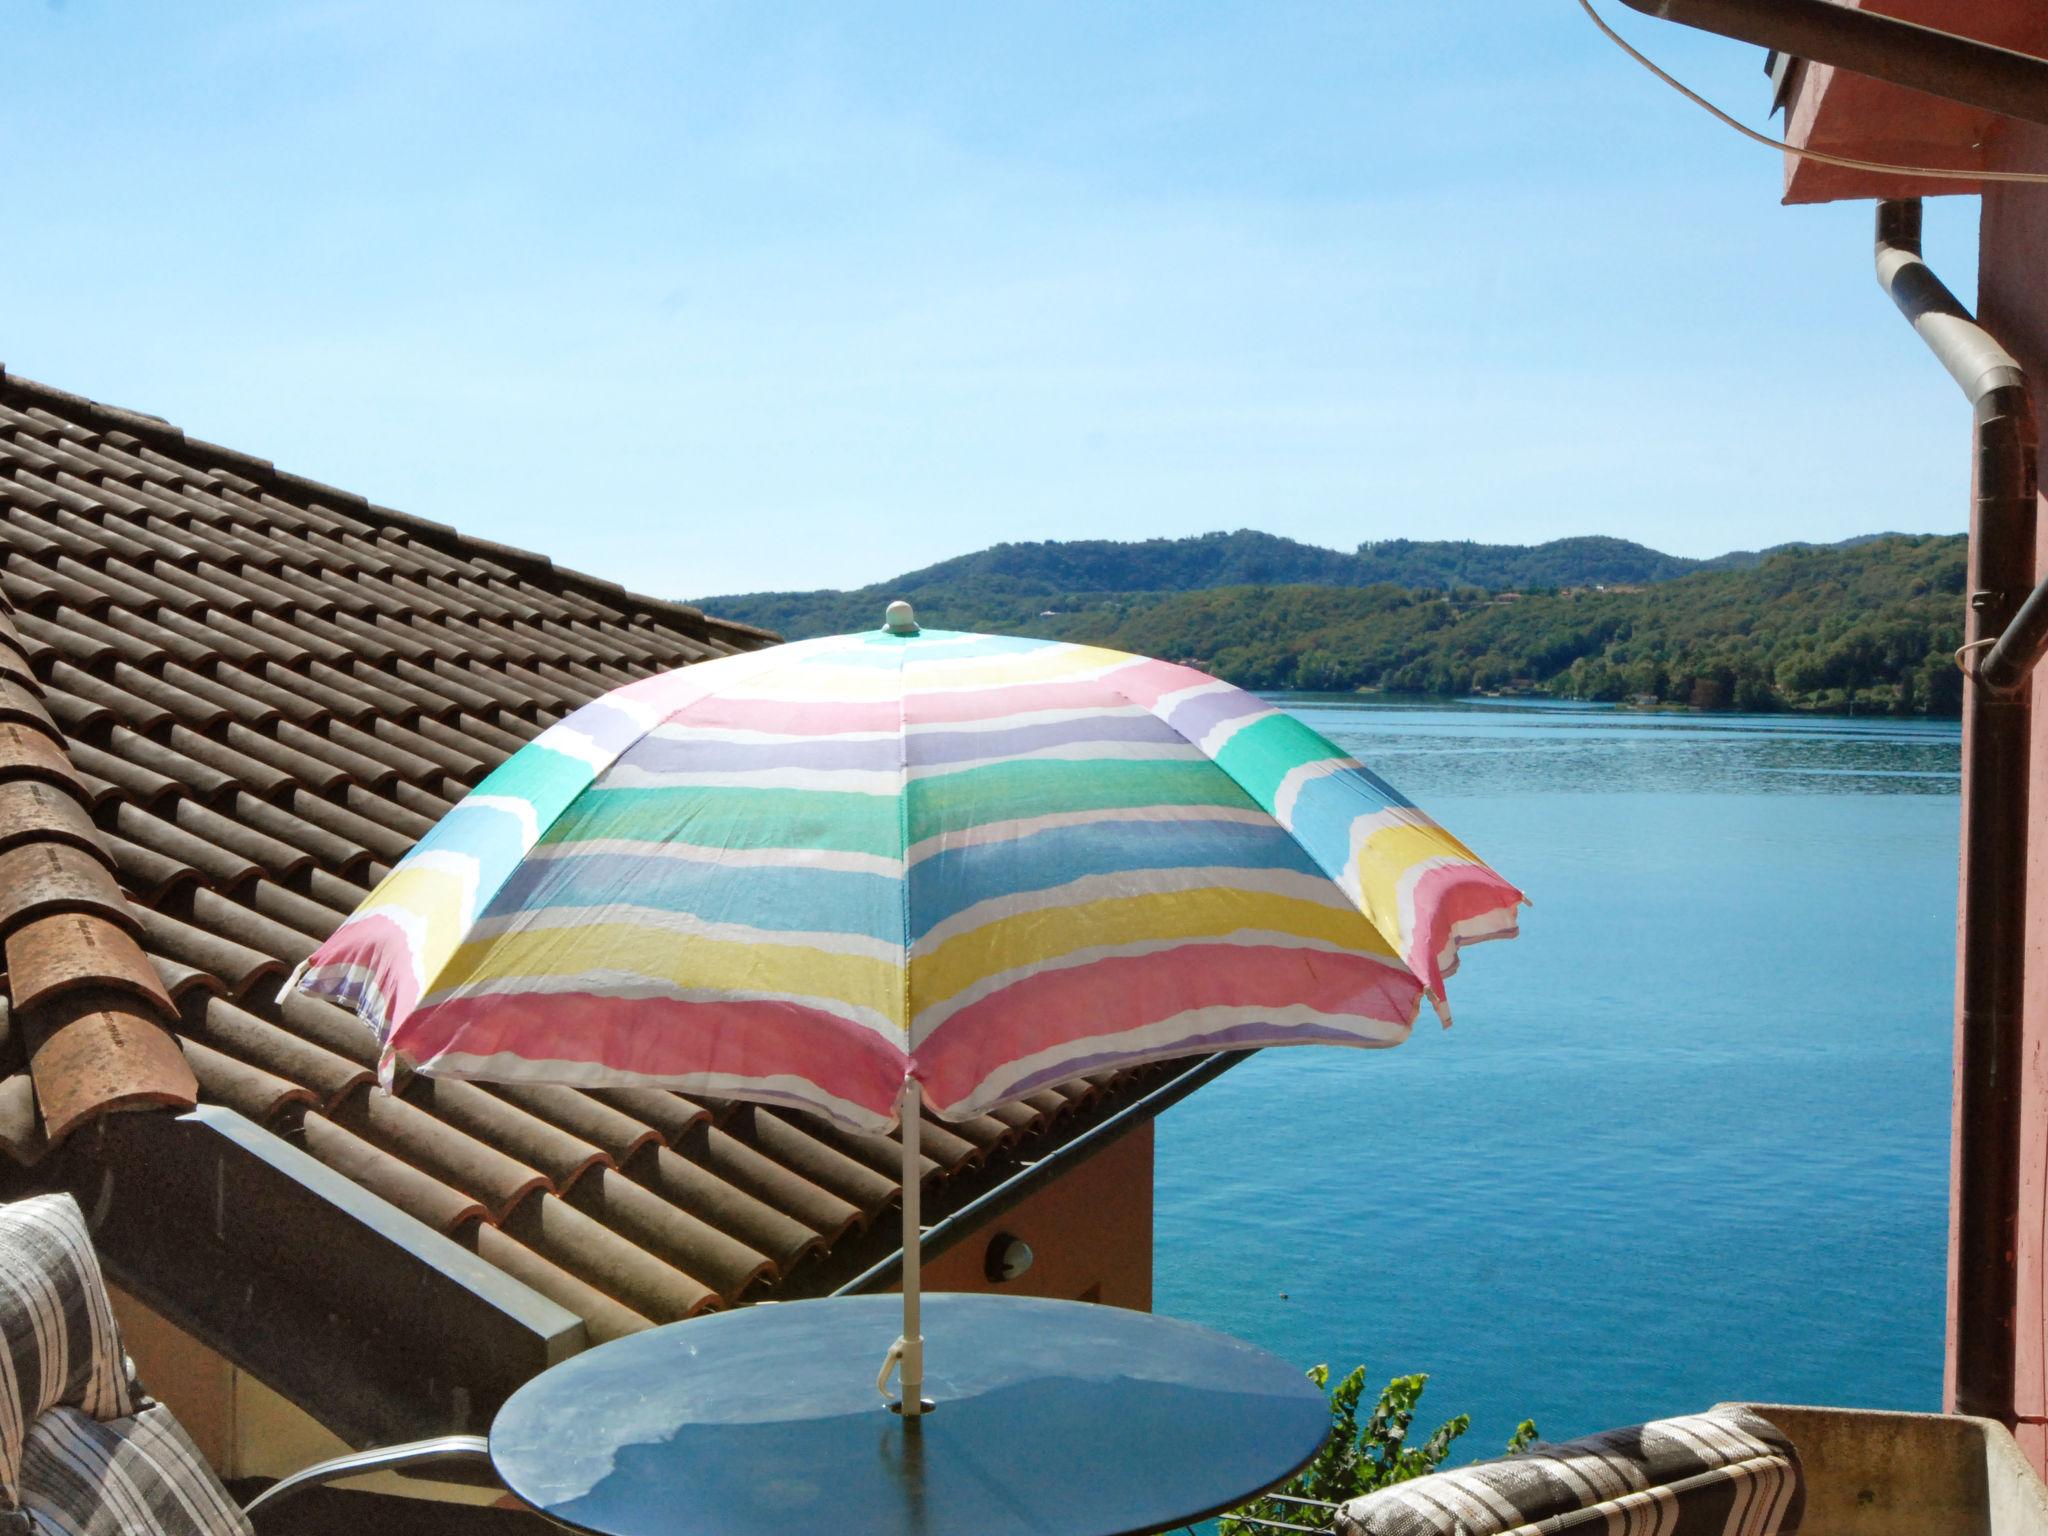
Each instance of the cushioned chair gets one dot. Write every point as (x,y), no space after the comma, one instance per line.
(82,1450)
(1724,1473)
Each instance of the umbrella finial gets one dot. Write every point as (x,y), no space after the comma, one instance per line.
(898,619)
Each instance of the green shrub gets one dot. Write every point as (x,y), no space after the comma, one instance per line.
(1357,1458)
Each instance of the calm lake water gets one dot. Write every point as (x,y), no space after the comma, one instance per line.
(1688,1140)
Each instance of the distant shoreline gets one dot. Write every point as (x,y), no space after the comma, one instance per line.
(1619,706)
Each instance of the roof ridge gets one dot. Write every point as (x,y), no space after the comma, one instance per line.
(162,433)
(90,1013)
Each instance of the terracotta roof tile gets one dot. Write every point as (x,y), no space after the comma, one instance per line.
(44,877)
(242,696)
(620,1135)
(84,704)
(563,1157)
(222,867)
(233,767)
(402,638)
(21,704)
(324,691)
(463,691)
(983,1131)
(604,1318)
(178,703)
(92,643)
(26,593)
(245,925)
(252,695)
(182,980)
(34,811)
(153,878)
(608,1260)
(261,1096)
(417,1194)
(70,950)
(376,751)
(247,838)
(439,749)
(241,968)
(305,637)
(381,839)
(92,1052)
(243,642)
(330,751)
(693,1188)
(478,733)
(121,774)
(476,1168)
(425,806)
(287,753)
(821,1164)
(747,1169)
(200,642)
(305,914)
(670,1114)
(130,754)
(240,1033)
(162,594)
(107,582)
(716,1260)
(333,892)
(1019,1117)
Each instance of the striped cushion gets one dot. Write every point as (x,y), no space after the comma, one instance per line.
(58,1342)
(82,1451)
(1725,1473)
(81,1477)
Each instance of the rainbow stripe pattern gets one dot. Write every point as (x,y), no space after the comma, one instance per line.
(797,875)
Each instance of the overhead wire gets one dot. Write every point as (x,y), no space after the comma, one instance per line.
(1845,162)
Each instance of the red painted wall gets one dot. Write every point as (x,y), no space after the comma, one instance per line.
(1090,1233)
(2013,303)
(1852,115)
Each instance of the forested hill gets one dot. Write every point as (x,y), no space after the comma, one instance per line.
(1873,625)
(1003,587)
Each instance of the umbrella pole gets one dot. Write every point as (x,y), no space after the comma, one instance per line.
(911,1369)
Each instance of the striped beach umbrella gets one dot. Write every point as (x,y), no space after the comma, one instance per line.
(859,873)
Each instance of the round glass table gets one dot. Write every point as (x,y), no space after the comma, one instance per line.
(1050,1417)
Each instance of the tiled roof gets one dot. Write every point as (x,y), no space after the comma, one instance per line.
(230,698)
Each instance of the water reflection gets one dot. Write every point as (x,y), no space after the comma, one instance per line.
(1530,748)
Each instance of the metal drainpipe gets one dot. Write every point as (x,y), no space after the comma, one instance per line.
(1990,951)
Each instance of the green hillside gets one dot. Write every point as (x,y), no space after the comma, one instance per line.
(1003,586)
(1868,623)
(1873,625)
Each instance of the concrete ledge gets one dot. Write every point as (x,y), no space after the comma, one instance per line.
(375,1324)
(1910,1474)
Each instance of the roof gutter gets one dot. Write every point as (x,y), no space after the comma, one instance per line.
(1035,1175)
(1883,47)
(1985,1156)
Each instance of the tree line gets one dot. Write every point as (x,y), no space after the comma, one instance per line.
(1872,626)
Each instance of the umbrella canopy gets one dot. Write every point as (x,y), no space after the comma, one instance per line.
(809,874)
(875,871)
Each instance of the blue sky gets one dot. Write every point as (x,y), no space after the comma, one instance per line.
(708,297)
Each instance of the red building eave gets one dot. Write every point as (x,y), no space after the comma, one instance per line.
(1852,115)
